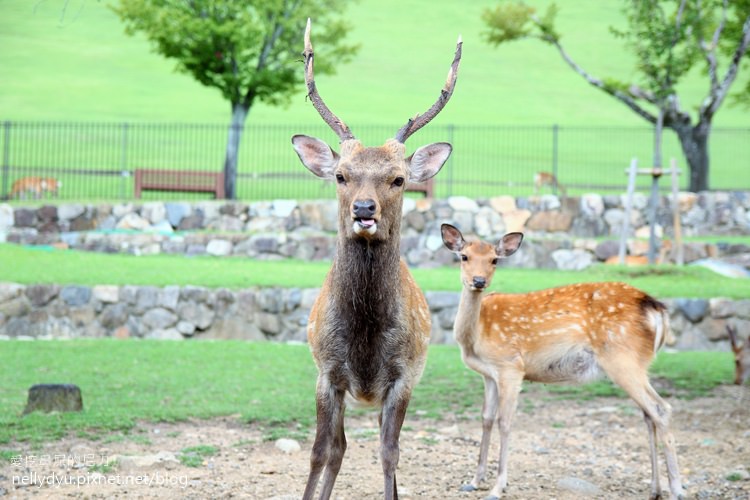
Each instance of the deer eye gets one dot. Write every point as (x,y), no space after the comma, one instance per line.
(340,179)
(494,261)
(464,257)
(398,181)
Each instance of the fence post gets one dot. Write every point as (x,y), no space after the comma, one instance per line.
(555,138)
(6,159)
(124,174)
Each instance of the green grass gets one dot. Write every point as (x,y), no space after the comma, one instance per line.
(194,456)
(100,74)
(273,385)
(401,66)
(33,265)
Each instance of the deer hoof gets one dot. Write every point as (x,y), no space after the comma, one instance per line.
(468,487)
(492,497)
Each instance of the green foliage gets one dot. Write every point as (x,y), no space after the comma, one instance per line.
(246,50)
(508,21)
(663,36)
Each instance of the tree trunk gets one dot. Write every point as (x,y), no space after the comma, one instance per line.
(239,114)
(694,141)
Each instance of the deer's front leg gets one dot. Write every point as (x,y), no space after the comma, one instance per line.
(391,420)
(489,412)
(330,442)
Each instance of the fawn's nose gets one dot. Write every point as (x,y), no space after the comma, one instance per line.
(364,209)
(479,282)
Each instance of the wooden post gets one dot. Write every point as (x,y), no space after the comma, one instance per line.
(632,172)
(678,252)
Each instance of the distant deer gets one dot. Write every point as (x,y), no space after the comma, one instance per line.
(566,334)
(741,352)
(369,327)
(547,179)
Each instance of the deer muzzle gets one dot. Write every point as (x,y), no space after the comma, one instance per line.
(363,215)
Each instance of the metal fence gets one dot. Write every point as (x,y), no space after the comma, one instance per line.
(96,161)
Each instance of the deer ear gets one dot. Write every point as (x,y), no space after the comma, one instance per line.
(452,238)
(316,155)
(508,245)
(428,160)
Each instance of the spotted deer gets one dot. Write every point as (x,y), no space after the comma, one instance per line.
(566,334)
(369,328)
(741,352)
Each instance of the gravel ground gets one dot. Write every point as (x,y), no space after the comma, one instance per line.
(561,449)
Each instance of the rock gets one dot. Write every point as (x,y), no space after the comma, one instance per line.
(6,217)
(176,212)
(41,295)
(578,486)
(74,295)
(723,268)
(572,260)
(106,293)
(54,397)
(693,309)
(606,249)
(165,459)
(515,221)
(219,248)
(159,319)
(287,446)
(134,222)
(463,204)
(68,212)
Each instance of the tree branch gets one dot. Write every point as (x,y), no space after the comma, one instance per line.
(621,96)
(717,95)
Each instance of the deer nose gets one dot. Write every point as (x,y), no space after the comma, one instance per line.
(479,282)
(364,209)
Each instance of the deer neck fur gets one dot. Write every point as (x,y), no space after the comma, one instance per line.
(466,323)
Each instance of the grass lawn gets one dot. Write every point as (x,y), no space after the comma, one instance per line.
(33,265)
(267,383)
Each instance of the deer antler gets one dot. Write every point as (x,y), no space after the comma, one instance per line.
(332,120)
(420,121)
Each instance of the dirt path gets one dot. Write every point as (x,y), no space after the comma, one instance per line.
(602,442)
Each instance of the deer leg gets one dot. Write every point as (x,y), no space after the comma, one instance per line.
(489,413)
(330,441)
(634,380)
(391,419)
(509,386)
(655,486)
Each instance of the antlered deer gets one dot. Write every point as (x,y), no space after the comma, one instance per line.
(741,352)
(566,334)
(369,328)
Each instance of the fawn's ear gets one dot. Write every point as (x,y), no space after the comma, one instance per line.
(508,245)
(452,238)
(316,155)
(427,161)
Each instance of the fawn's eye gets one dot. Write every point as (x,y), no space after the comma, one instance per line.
(494,261)
(340,179)
(464,257)
(398,181)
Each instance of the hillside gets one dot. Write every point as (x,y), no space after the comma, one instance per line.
(77,64)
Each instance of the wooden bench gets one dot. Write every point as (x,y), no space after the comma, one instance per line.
(426,187)
(195,181)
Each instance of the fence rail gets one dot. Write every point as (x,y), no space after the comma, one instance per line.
(96,161)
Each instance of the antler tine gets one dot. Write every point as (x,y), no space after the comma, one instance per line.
(332,120)
(420,121)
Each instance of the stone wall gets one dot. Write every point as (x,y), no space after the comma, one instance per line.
(189,312)
(569,233)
